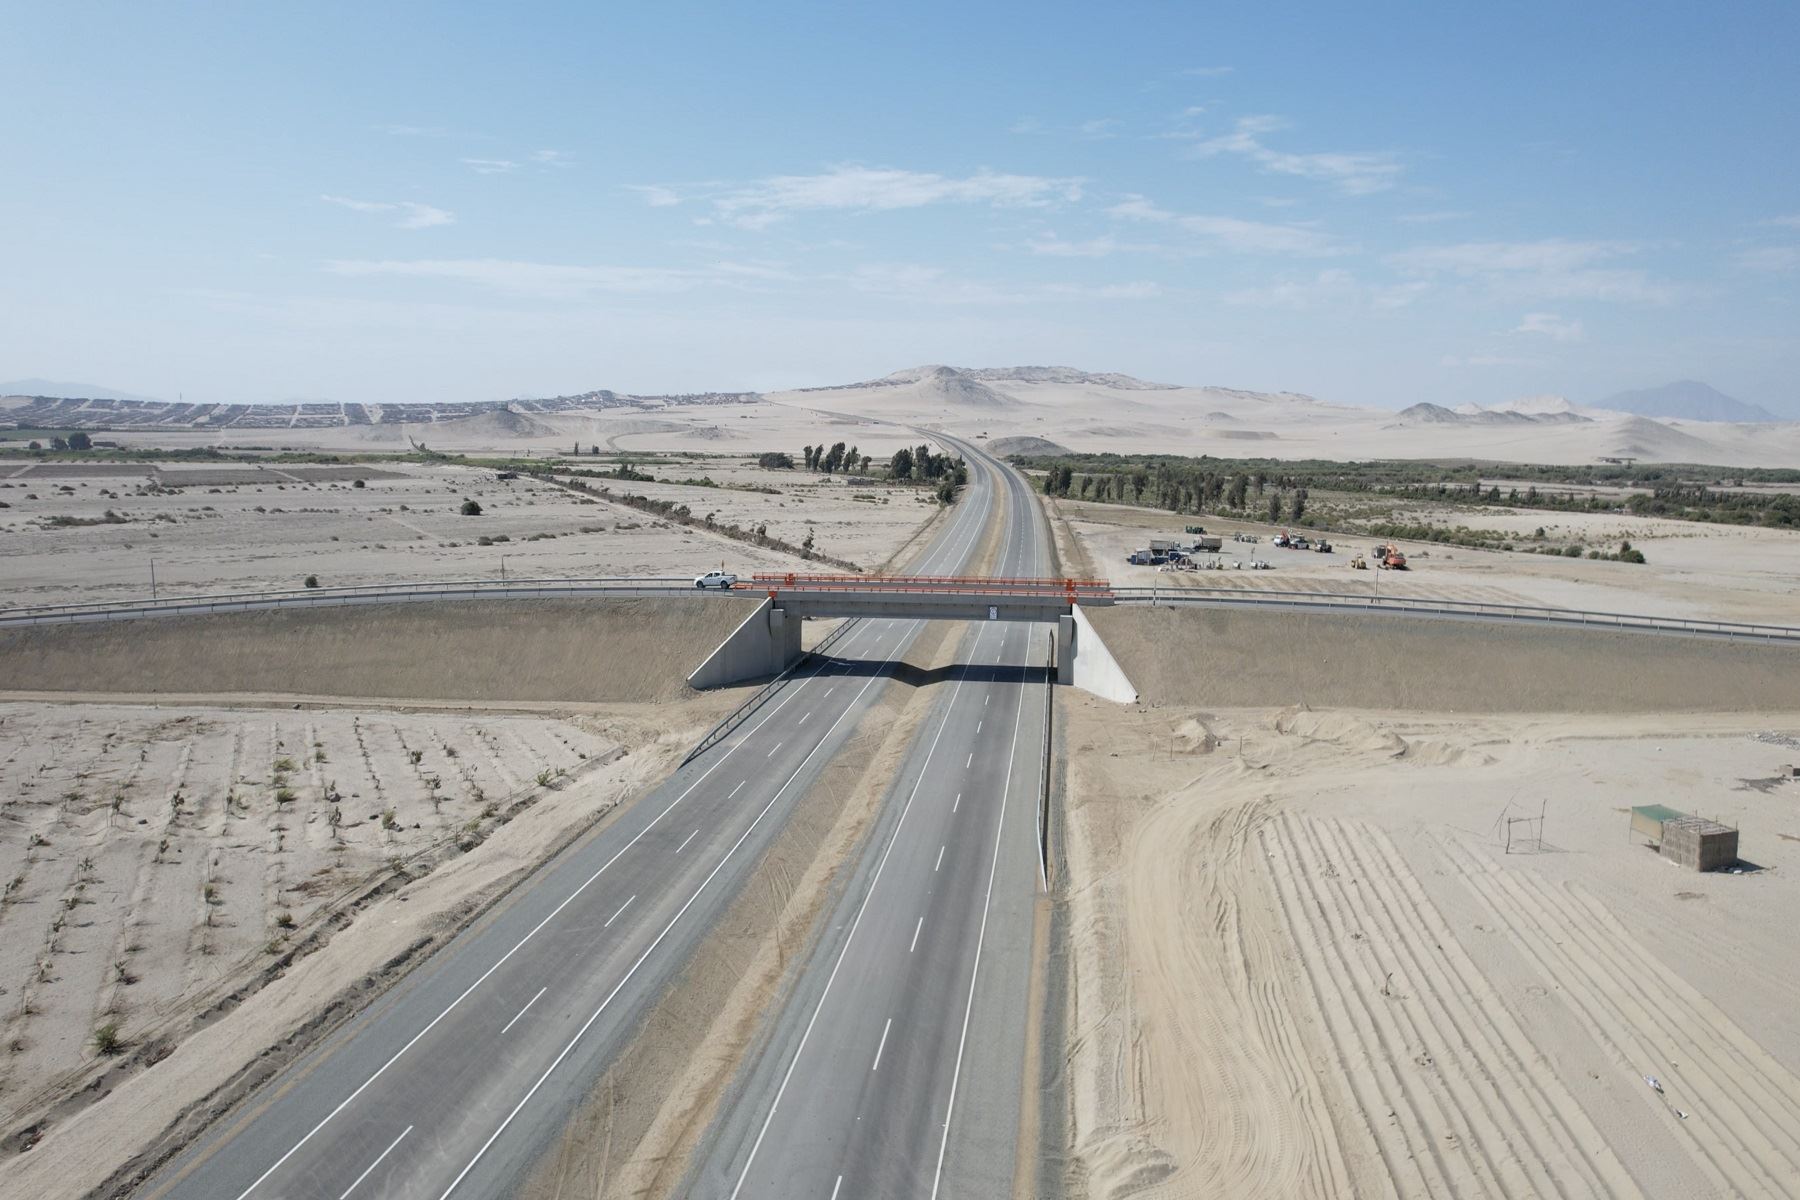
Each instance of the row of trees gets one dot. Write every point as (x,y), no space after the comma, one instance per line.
(835,459)
(1181,488)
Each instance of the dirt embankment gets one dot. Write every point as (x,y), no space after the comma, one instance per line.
(1226,659)
(481,651)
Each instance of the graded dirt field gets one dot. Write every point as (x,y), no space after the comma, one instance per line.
(1694,570)
(94,532)
(1305,962)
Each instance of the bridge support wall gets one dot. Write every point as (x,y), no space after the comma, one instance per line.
(766,644)
(1090,666)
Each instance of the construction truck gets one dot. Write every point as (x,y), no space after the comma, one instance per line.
(1359,563)
(1389,558)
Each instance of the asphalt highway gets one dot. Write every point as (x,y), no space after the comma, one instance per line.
(894,1068)
(454,1082)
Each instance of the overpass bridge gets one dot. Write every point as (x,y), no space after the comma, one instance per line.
(768,641)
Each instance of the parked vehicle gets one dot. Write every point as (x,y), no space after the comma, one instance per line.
(716,579)
(1208,545)
(1322,547)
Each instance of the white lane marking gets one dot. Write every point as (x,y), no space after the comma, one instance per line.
(836,1186)
(778,745)
(940,861)
(882,1045)
(937,1178)
(856,924)
(535,929)
(737,789)
(828,692)
(803,716)
(522,1011)
(957,803)
(978,726)
(915,941)
(971,761)
(684,841)
(620,913)
(651,949)
(989,700)
(376,1163)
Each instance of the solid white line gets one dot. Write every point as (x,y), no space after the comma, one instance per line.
(854,926)
(737,789)
(620,913)
(883,1045)
(521,1012)
(940,861)
(535,929)
(915,941)
(980,937)
(684,841)
(651,949)
(376,1163)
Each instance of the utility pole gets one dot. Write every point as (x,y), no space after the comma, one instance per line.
(153,579)
(503,566)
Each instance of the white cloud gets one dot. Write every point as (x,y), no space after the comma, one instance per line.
(877,189)
(1330,288)
(552,158)
(549,281)
(1551,326)
(1488,360)
(1052,246)
(655,195)
(489,166)
(1432,218)
(1791,221)
(1359,173)
(430,131)
(1553,268)
(410,215)
(1231,233)
(934,285)
(1099,128)
(1772,259)
(1207,72)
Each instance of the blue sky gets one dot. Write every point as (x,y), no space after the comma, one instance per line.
(1373,203)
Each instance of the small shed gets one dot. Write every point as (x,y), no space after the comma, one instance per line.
(1693,842)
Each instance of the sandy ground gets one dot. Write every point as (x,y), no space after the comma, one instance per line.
(159,856)
(1715,572)
(1305,964)
(208,1002)
(240,528)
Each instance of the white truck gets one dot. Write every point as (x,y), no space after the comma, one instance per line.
(716,579)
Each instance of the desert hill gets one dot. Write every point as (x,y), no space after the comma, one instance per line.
(1688,400)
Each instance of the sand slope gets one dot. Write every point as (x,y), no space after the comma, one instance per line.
(566,651)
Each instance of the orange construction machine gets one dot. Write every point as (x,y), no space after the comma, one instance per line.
(1389,558)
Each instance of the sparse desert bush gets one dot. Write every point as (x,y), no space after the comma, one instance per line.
(356,483)
(284,795)
(543,777)
(388,820)
(471,509)
(108,1040)
(312,581)
(415,755)
(284,765)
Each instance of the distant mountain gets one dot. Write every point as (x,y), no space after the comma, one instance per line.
(1124,383)
(1689,400)
(68,391)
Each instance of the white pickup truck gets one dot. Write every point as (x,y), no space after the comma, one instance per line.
(718,579)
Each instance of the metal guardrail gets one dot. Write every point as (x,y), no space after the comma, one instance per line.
(1468,609)
(652,585)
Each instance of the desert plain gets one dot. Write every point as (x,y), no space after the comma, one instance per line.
(1340,906)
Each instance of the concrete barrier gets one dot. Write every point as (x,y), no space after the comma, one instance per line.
(764,645)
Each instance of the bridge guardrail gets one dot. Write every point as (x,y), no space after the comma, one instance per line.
(737,716)
(1541,614)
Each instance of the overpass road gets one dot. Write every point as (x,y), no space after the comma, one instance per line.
(895,1067)
(456,1080)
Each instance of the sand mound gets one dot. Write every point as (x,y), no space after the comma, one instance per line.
(1224,658)
(499,424)
(1026,445)
(1640,437)
(557,651)
(1192,736)
(1340,729)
